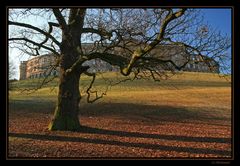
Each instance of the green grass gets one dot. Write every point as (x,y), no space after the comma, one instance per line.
(192,90)
(181,80)
(187,80)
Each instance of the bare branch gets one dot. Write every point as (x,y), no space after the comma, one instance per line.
(47,34)
(102,33)
(72,15)
(89,91)
(34,43)
(139,52)
(60,19)
(112,59)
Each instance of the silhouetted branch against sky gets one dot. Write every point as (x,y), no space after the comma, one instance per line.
(206,30)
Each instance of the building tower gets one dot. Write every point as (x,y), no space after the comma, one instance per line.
(23,68)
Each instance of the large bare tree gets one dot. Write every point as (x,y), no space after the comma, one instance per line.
(131,39)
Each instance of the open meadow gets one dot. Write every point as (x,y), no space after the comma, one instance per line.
(187,116)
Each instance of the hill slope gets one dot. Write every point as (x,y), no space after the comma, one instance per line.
(188,115)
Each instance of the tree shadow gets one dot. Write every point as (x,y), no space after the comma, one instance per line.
(154,113)
(31,106)
(91,130)
(125,144)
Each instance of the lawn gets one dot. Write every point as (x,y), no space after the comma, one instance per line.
(188,115)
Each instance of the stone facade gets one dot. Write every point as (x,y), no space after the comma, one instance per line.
(40,66)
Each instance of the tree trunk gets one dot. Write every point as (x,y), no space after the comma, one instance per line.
(66,112)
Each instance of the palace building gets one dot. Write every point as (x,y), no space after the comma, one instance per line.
(37,67)
(42,66)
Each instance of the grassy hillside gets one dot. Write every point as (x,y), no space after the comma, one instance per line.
(183,86)
(192,90)
(188,115)
(180,80)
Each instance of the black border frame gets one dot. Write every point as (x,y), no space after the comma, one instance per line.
(134,3)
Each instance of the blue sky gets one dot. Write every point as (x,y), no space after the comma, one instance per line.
(219,18)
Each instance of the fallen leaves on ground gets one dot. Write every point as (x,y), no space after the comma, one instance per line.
(118,137)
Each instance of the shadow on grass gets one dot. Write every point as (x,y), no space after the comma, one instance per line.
(32,106)
(126,144)
(153,114)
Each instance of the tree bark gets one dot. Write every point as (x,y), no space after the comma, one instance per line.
(66,112)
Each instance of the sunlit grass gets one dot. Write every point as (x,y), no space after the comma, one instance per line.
(190,90)
(186,85)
